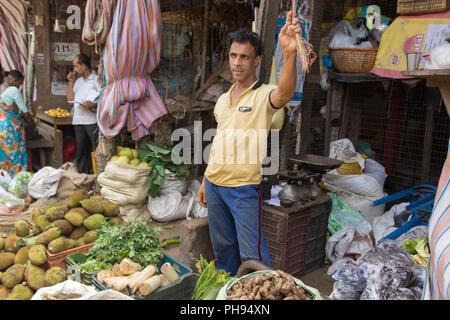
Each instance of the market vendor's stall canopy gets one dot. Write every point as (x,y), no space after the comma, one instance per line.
(131,54)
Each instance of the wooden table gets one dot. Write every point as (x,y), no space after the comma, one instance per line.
(58,141)
(439,78)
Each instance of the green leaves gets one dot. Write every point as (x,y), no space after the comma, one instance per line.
(210,282)
(132,239)
(161,157)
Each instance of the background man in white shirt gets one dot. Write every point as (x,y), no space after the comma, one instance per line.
(84,92)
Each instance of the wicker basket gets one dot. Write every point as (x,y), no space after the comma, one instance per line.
(421,6)
(353,60)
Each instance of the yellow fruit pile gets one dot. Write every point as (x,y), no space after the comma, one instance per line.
(58,113)
(130,156)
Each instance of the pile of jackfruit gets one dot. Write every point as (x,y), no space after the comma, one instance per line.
(58,227)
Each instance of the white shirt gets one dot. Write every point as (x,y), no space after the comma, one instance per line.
(85,90)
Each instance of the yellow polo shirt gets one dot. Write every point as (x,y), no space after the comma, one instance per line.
(240,144)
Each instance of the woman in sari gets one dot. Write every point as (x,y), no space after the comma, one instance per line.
(13,153)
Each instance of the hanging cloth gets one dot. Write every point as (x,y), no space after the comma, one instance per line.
(97,21)
(13,38)
(130,55)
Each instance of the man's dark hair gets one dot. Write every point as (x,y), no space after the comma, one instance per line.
(244,35)
(84,59)
(15,74)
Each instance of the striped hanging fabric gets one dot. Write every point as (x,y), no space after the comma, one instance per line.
(131,53)
(97,21)
(13,39)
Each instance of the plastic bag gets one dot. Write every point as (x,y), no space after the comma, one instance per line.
(412,234)
(168,207)
(351,282)
(385,224)
(376,170)
(73,290)
(10,203)
(45,182)
(172,183)
(346,242)
(344,35)
(194,209)
(439,57)
(364,204)
(344,150)
(342,215)
(5,180)
(19,184)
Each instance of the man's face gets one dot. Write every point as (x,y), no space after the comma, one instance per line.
(78,68)
(242,60)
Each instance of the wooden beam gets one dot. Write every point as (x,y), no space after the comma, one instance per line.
(266,27)
(43,49)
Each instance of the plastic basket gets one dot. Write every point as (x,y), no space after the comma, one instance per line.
(353,60)
(58,259)
(163,292)
(296,236)
(74,271)
(421,6)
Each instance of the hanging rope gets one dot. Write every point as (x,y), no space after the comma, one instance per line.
(305,50)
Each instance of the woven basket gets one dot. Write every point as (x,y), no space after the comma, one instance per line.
(353,60)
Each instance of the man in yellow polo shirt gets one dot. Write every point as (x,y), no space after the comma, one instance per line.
(231,186)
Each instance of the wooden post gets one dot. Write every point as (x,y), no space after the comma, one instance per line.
(43,51)
(205,37)
(266,27)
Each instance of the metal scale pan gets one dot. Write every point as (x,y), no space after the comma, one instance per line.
(315,163)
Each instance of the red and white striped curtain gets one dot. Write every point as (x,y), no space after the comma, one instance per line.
(131,53)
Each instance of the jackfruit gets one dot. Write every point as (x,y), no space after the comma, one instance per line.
(36,230)
(13,276)
(48,235)
(4,292)
(66,227)
(94,222)
(92,206)
(61,244)
(34,214)
(22,255)
(78,232)
(51,205)
(117,220)
(80,242)
(6,260)
(76,197)
(57,245)
(74,218)
(90,236)
(81,211)
(109,209)
(20,292)
(2,243)
(43,222)
(22,228)
(98,198)
(12,243)
(54,276)
(56,213)
(34,275)
(37,255)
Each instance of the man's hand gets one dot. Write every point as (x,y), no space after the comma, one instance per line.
(201,195)
(287,39)
(71,77)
